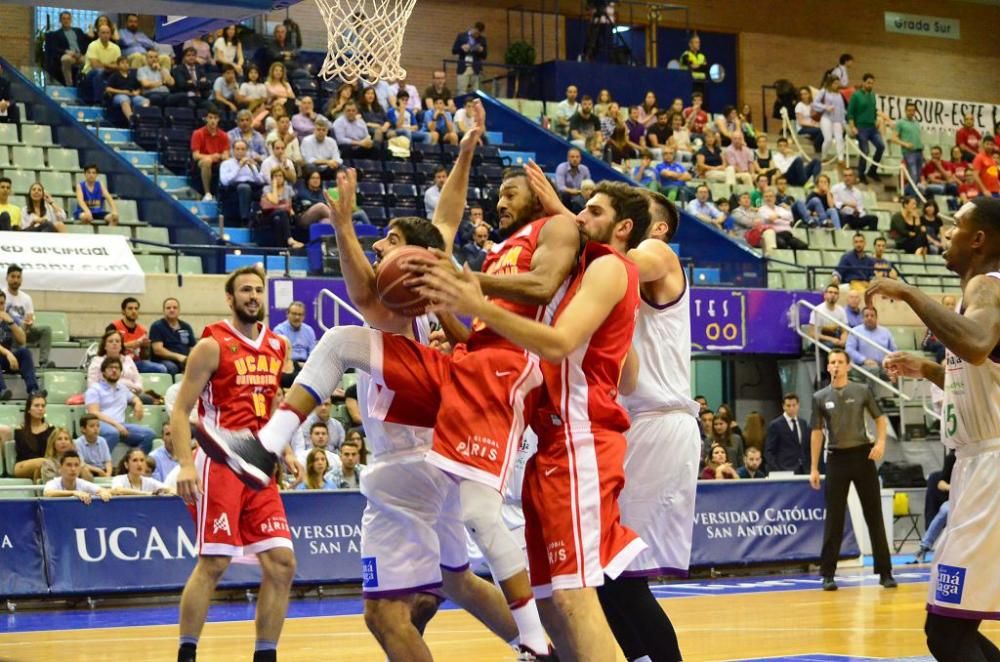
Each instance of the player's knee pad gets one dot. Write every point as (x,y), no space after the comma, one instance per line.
(481,515)
(339,349)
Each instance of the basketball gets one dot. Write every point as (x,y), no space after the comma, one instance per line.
(389,282)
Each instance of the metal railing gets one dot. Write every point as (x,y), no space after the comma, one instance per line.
(338,305)
(895,389)
(176,250)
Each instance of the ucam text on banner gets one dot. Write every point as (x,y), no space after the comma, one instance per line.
(73,262)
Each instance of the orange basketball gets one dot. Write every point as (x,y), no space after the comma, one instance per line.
(389,282)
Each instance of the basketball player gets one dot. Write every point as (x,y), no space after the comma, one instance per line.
(476,399)
(412,535)
(572,483)
(965,584)
(233,374)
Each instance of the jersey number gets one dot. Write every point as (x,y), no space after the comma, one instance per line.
(260,405)
(951,420)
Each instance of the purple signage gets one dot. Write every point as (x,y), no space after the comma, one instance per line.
(722,320)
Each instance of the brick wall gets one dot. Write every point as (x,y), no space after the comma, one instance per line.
(16,40)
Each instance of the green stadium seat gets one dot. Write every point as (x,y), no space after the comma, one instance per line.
(870,237)
(63,416)
(904,337)
(910,258)
(103,481)
(513,104)
(831,258)
(884,220)
(128,211)
(340,413)
(153,417)
(20,180)
(796,280)
(62,385)
(66,160)
(348,380)
(8,135)
(80,228)
(12,415)
(5,157)
(809,258)
(531,109)
(821,238)
(28,155)
(911,269)
(151,264)
(802,235)
(187,264)
(26,493)
(150,233)
(775,280)
(719,190)
(931,283)
(57,183)
(157,382)
(939,270)
(58,322)
(785,257)
(36,134)
(9,453)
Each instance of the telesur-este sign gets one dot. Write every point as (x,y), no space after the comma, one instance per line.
(922,26)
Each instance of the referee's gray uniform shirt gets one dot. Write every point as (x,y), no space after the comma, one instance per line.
(843,412)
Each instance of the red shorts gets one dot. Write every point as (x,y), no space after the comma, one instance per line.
(233,520)
(572,524)
(475,401)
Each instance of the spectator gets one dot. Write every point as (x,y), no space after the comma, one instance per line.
(22,309)
(91,197)
(279,91)
(108,400)
(60,442)
(958,165)
(850,204)
(241,174)
(439,124)
(9,113)
(164,455)
(282,49)
(856,266)
(728,124)
(438,89)
(787,445)
(744,218)
(347,474)
(276,210)
(908,230)
(31,438)
(304,121)
(225,92)
(724,435)
(412,97)
(672,177)
(171,338)
(345,95)
(695,118)
(470,47)
(830,105)
(317,467)
(754,427)
(227,49)
(404,122)
(610,120)
(69,484)
(253,93)
(14,356)
(930,343)
(320,152)
(101,58)
(695,62)
(465,118)
(938,176)
(763,157)
(863,353)
(881,266)
(659,133)
(968,138)
(92,447)
(794,167)
(969,188)
(310,202)
(644,172)
(210,147)
(618,149)
(283,131)
(984,166)
(931,220)
(569,177)
(648,111)
(740,158)
(202,49)
(936,525)
(853,310)
(321,416)
(907,136)
(373,113)
(351,403)
(703,209)
(777,222)
(476,250)
(718,466)
(156,82)
(132,479)
(584,124)
(10,214)
(69,44)
(42,213)
(752,462)
(433,192)
(603,102)
(707,418)
(566,109)
(760,184)
(841,74)
(124,90)
(807,119)
(135,44)
(317,437)
(709,163)
(191,79)
(278,161)
(798,208)
(823,322)
(135,336)
(821,204)
(863,123)
(300,335)
(351,133)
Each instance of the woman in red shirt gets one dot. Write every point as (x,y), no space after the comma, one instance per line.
(718,466)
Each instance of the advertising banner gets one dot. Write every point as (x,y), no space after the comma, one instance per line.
(22,569)
(73,262)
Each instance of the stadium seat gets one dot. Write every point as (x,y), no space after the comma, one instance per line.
(187,264)
(119,230)
(775,281)
(128,211)
(157,382)
(821,238)
(20,180)
(17,494)
(63,385)
(809,258)
(831,258)
(796,280)
(152,417)
(151,264)
(929,283)
(903,337)
(29,155)
(149,233)
(61,416)
(785,258)
(8,135)
(348,380)
(58,322)
(9,456)
(12,415)
(36,134)
(57,183)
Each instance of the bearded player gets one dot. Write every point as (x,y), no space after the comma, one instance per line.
(571,485)
(477,399)
(964,584)
(233,374)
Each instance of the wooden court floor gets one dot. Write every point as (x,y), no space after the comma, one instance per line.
(862,621)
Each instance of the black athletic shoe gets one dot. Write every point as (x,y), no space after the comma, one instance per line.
(829,584)
(875,176)
(525,654)
(241,451)
(887,581)
(863,178)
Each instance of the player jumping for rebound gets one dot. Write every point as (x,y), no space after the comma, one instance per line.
(477,399)
(233,374)
(964,584)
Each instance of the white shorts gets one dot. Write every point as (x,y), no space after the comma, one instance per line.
(411,529)
(661,475)
(964,578)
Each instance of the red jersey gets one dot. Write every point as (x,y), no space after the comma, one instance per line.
(986,167)
(969,137)
(942,168)
(130,336)
(511,256)
(240,392)
(581,393)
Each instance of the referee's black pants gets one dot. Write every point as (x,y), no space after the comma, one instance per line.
(843,468)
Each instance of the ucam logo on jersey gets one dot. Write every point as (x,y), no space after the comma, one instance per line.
(369,572)
(950,583)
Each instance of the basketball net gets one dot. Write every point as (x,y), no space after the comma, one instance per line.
(364,39)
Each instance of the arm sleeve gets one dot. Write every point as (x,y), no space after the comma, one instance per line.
(818,419)
(871,404)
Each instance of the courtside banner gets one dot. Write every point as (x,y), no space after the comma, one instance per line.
(73,262)
(22,570)
(760,521)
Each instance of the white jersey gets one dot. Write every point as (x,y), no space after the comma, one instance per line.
(662,341)
(389,439)
(971,398)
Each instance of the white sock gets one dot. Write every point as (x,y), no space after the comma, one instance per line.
(529,627)
(644,658)
(278,431)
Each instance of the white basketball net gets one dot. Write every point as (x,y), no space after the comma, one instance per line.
(364,38)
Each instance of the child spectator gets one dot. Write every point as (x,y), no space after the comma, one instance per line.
(91,197)
(124,89)
(253,93)
(69,484)
(92,447)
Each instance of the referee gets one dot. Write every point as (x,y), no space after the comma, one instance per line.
(840,409)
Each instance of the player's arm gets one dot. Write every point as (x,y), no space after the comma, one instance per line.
(656,261)
(602,288)
(902,364)
(554,258)
(629,378)
(202,363)
(456,331)
(816,448)
(451,205)
(358,274)
(972,336)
